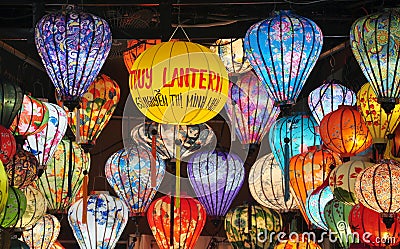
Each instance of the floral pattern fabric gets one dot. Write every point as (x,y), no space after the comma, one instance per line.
(22,169)
(43,234)
(8,145)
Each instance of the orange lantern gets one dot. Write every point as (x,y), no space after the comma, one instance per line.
(135,48)
(298,241)
(344,132)
(185,220)
(308,171)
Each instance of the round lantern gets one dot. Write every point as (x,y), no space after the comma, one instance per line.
(193,138)
(11,97)
(36,207)
(267,185)
(301,241)
(337,218)
(250,109)
(96,108)
(344,132)
(43,234)
(216,178)
(106,219)
(185,221)
(328,97)
(22,169)
(8,146)
(180,83)
(374,40)
(3,187)
(73,46)
(14,209)
(283,50)
(308,171)
(232,54)
(252,226)
(18,244)
(5,238)
(376,188)
(343,178)
(365,221)
(128,172)
(135,48)
(315,205)
(44,144)
(62,180)
(31,118)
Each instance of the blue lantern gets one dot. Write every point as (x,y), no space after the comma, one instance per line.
(73,46)
(216,177)
(283,50)
(315,205)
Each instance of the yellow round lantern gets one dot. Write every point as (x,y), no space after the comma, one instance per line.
(3,187)
(179,83)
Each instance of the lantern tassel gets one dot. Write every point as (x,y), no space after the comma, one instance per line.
(286,169)
(85,197)
(153,160)
(178,174)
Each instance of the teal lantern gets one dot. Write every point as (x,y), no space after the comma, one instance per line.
(315,205)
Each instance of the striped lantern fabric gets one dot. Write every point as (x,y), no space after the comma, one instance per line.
(36,206)
(43,234)
(315,205)
(15,208)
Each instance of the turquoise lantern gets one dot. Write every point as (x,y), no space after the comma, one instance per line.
(283,50)
(316,203)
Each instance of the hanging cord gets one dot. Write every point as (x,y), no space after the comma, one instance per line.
(332,63)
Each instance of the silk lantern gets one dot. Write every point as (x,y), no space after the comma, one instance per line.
(176,226)
(73,46)
(216,178)
(328,97)
(8,146)
(232,54)
(298,241)
(337,218)
(344,132)
(62,180)
(179,83)
(343,178)
(11,97)
(43,234)
(3,187)
(267,185)
(14,209)
(22,169)
(250,109)
(308,171)
(136,48)
(315,205)
(374,40)
(128,172)
(252,226)
(376,188)
(370,228)
(107,217)
(283,50)
(36,207)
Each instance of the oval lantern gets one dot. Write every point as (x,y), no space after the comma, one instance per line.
(22,169)
(14,209)
(36,207)
(343,178)
(179,83)
(216,178)
(57,186)
(267,185)
(107,217)
(73,46)
(8,145)
(252,226)
(43,145)
(299,241)
(128,172)
(193,138)
(11,97)
(344,132)
(308,171)
(232,54)
(250,109)
(365,221)
(185,222)
(43,234)
(315,205)
(374,41)
(283,50)
(136,48)
(328,97)
(337,218)
(376,187)
(3,187)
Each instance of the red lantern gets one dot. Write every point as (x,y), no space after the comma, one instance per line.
(185,218)
(135,48)
(371,229)
(8,145)
(344,132)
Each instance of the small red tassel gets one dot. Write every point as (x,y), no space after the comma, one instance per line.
(85,198)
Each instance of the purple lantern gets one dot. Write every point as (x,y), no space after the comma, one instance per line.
(73,46)
(216,177)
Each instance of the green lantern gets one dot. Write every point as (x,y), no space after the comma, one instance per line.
(3,187)
(337,217)
(15,208)
(11,97)
(250,226)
